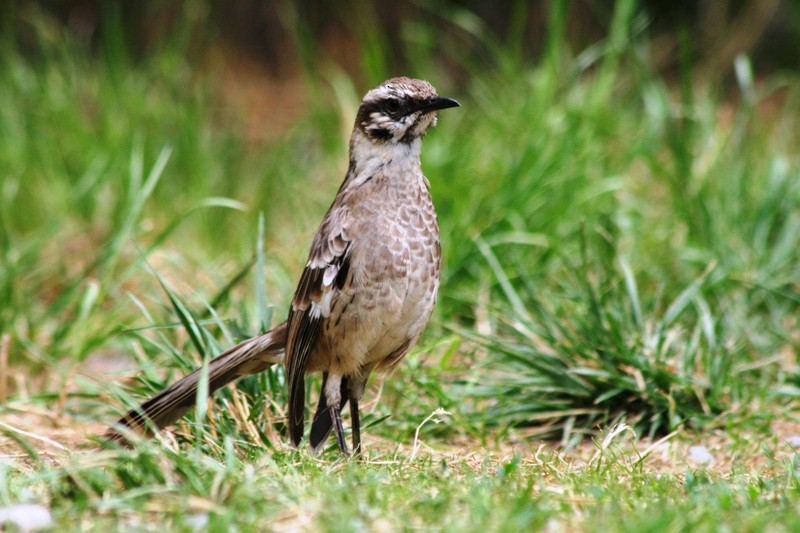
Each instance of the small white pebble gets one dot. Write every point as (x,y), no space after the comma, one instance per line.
(197,521)
(554,525)
(381,525)
(794,441)
(26,516)
(700,455)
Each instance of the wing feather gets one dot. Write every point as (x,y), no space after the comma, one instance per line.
(315,295)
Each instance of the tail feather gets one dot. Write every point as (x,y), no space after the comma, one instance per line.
(249,357)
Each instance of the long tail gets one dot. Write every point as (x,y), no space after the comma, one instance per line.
(249,357)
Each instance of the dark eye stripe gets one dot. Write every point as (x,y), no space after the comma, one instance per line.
(395,109)
(380,134)
(393,106)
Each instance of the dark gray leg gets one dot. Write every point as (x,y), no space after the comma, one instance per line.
(338,429)
(323,423)
(333,394)
(356,423)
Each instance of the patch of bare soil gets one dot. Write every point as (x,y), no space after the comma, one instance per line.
(28,430)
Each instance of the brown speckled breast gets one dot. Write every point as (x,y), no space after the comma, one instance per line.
(388,297)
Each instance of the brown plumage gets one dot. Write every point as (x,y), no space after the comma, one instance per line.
(370,283)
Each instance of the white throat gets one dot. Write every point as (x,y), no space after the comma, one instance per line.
(369,158)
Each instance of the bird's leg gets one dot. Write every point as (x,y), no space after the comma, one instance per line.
(333,394)
(356,425)
(336,416)
(354,393)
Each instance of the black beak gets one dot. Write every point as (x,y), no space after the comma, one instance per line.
(438,102)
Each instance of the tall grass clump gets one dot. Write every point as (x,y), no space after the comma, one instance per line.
(110,161)
(614,247)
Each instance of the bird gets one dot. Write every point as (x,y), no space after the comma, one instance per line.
(367,291)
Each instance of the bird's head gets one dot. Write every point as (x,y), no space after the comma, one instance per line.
(400,110)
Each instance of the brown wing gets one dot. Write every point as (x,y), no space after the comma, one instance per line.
(327,268)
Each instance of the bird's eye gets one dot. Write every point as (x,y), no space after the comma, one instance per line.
(392,106)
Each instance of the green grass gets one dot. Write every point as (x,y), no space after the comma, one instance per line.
(618,248)
(609,490)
